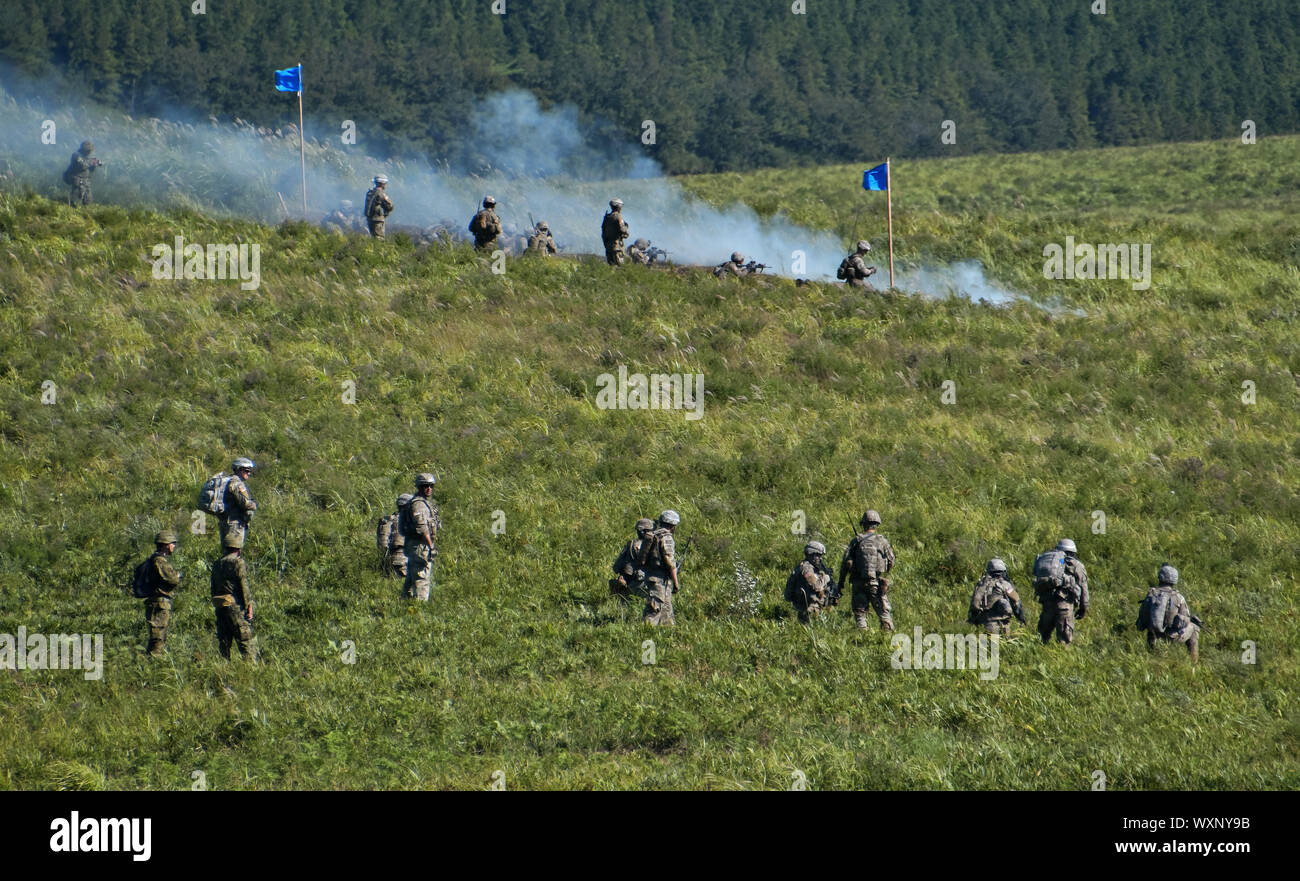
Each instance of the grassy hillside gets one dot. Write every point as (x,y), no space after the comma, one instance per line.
(818,400)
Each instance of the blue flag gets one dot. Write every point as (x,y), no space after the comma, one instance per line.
(876,178)
(289,80)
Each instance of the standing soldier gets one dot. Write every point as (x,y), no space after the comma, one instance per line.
(78,174)
(866,561)
(1061,586)
(541,242)
(239,505)
(995,600)
(156,581)
(378,206)
(629,576)
(232,600)
(854,269)
(419,523)
(809,585)
(613,232)
(658,558)
(486,226)
(734,267)
(1164,614)
(396,550)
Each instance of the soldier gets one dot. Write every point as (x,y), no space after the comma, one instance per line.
(613,232)
(232,600)
(239,503)
(486,226)
(419,523)
(995,600)
(1060,592)
(866,561)
(735,266)
(541,242)
(637,253)
(78,174)
(396,551)
(162,581)
(378,206)
(854,269)
(658,558)
(809,586)
(629,577)
(1164,614)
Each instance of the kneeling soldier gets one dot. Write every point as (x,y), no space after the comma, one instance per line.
(629,576)
(1164,614)
(810,586)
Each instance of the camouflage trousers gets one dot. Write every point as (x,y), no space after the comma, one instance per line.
(233,526)
(1191,636)
(868,596)
(1000,626)
(157,614)
(80,194)
(658,602)
(419,566)
(614,254)
(395,564)
(376,228)
(1058,616)
(809,607)
(233,627)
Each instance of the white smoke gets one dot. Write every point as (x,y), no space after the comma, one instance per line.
(539,165)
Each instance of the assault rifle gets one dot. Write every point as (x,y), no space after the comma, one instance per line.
(654,254)
(754,267)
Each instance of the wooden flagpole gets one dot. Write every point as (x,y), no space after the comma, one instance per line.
(889,201)
(302,147)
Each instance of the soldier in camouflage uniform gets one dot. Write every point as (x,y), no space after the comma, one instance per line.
(1059,604)
(378,206)
(866,560)
(613,232)
(486,226)
(658,558)
(854,269)
(541,243)
(734,267)
(163,579)
(239,503)
(419,524)
(629,577)
(810,587)
(232,600)
(1164,614)
(638,252)
(80,167)
(995,600)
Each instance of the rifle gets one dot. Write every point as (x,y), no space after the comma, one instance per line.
(652,254)
(753,266)
(686,549)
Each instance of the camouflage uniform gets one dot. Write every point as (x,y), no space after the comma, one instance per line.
(1000,602)
(613,232)
(80,168)
(485,226)
(421,522)
(1058,612)
(638,252)
(660,565)
(734,267)
(239,510)
(541,242)
(629,574)
(870,586)
(377,208)
(809,587)
(158,607)
(232,600)
(1177,622)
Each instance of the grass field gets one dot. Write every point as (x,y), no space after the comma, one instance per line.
(818,400)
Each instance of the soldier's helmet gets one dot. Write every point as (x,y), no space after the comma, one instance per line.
(645,524)
(1067,545)
(1167,575)
(672,518)
(488,201)
(233,540)
(997,567)
(870,518)
(641,244)
(87,147)
(863,245)
(242,463)
(737,257)
(166,537)
(381,179)
(424,478)
(542,227)
(404,499)
(615,203)
(814,549)
(346,204)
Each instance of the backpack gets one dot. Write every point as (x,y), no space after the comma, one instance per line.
(1049,572)
(843,273)
(864,559)
(70,175)
(477,225)
(984,598)
(212,498)
(1159,612)
(142,580)
(384,532)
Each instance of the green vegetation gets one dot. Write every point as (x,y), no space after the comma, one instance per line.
(819,400)
(730,84)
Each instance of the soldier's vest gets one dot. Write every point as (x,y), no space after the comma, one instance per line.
(537,244)
(406,520)
(611,228)
(478,225)
(867,559)
(796,588)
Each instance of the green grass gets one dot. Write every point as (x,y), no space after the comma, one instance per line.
(819,400)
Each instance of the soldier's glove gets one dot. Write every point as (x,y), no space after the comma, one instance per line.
(871,270)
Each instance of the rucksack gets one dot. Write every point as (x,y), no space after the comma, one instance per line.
(985,596)
(794,585)
(843,272)
(1159,612)
(864,559)
(1049,572)
(69,175)
(477,224)
(384,532)
(141,580)
(212,498)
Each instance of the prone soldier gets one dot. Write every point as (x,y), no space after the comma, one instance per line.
(735,267)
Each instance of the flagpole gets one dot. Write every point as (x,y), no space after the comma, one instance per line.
(889,201)
(302,148)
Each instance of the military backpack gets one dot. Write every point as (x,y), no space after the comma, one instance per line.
(1049,573)
(985,596)
(142,580)
(212,498)
(384,531)
(845,272)
(1159,612)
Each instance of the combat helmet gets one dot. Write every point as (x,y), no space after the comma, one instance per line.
(86,148)
(615,204)
(488,201)
(814,548)
(542,227)
(424,478)
(641,244)
(1167,575)
(869,518)
(670,517)
(737,257)
(241,463)
(166,537)
(1067,545)
(645,524)
(996,567)
(381,179)
(863,245)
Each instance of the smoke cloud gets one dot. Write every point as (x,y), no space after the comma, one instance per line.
(540,164)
